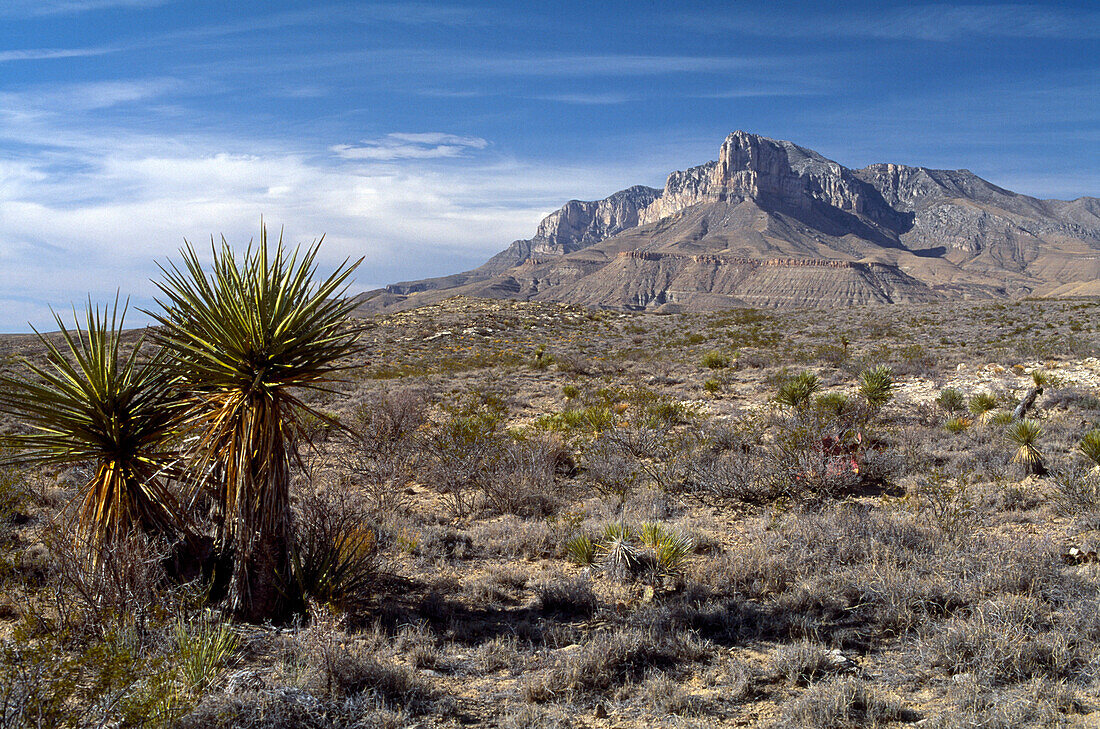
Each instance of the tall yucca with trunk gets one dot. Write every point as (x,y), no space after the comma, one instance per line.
(90,403)
(245,341)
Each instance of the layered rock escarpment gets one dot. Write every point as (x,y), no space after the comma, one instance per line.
(770,223)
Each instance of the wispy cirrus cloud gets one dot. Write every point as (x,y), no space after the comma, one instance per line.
(938,22)
(39,8)
(45,54)
(398,145)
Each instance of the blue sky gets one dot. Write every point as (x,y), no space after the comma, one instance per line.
(427,136)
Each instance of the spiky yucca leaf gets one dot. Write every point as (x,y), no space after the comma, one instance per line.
(621,559)
(617,530)
(1041,378)
(671,551)
(1089,446)
(651,532)
(244,340)
(90,403)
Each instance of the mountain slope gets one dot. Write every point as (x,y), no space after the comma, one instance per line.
(770,223)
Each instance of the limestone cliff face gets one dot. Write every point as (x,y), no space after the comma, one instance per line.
(579,223)
(682,190)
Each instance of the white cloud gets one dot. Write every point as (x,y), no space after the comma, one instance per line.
(45,54)
(938,22)
(35,8)
(432,145)
(92,213)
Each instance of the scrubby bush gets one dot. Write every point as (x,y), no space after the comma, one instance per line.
(951,400)
(337,552)
(611,659)
(716,360)
(840,704)
(567,596)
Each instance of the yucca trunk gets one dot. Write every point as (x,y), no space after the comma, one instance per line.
(259,530)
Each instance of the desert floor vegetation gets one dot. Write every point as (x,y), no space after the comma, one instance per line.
(536,515)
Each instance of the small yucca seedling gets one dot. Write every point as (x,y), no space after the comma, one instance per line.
(1040,377)
(951,400)
(671,552)
(581,550)
(833,403)
(797,391)
(981,405)
(1089,446)
(877,386)
(202,648)
(1002,417)
(957,424)
(1024,435)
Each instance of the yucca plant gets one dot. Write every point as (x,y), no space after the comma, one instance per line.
(244,342)
(951,400)
(581,550)
(797,391)
(202,648)
(982,405)
(1089,446)
(956,424)
(1024,434)
(1041,378)
(621,558)
(92,403)
(832,403)
(877,386)
(670,548)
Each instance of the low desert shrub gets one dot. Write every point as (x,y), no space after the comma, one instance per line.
(522,480)
(716,360)
(951,400)
(611,659)
(337,553)
(803,663)
(1008,639)
(840,704)
(567,596)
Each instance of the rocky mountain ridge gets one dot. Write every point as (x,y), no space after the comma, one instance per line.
(770,223)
